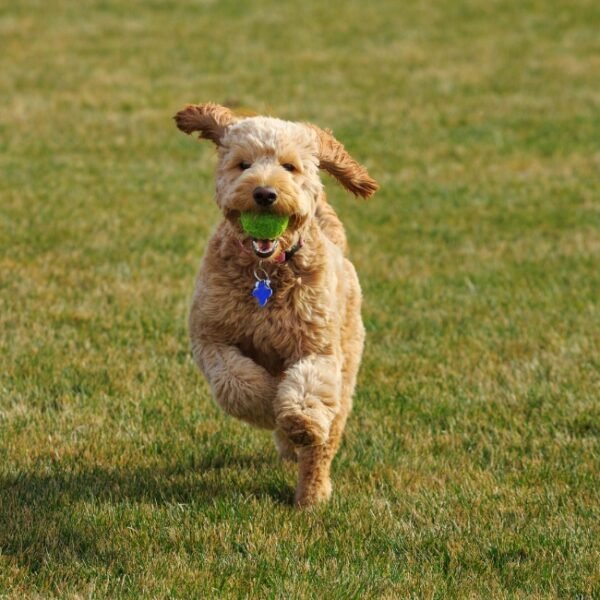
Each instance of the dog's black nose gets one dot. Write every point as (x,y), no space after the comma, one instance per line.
(264,196)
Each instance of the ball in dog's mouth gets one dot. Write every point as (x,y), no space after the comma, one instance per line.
(265,228)
(264,248)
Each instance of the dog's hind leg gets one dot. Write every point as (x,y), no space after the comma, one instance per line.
(314,480)
(285,447)
(309,415)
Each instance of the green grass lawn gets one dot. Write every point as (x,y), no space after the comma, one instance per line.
(470,466)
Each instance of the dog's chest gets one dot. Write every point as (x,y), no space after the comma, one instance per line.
(290,325)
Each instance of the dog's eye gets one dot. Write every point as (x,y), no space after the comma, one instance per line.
(244,165)
(289,167)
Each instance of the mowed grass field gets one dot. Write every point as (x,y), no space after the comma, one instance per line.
(470,466)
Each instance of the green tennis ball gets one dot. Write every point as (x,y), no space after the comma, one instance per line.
(264,226)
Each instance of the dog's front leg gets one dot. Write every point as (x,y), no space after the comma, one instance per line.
(308,399)
(242,388)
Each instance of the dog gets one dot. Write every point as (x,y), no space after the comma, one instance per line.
(275,324)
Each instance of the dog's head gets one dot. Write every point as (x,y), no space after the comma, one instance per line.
(270,165)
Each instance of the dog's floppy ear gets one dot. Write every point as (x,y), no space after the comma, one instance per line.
(211,120)
(334,158)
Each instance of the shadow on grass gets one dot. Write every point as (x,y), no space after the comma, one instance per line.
(71,513)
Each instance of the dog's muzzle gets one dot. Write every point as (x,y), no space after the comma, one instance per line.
(264,248)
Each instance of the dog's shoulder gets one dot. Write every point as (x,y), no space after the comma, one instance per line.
(330,224)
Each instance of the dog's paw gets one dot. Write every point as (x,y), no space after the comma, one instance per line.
(304,428)
(313,495)
(307,401)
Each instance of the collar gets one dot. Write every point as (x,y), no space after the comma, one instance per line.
(289,254)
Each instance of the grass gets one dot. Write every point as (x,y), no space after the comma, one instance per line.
(470,464)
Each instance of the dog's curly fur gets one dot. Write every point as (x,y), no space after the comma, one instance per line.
(290,366)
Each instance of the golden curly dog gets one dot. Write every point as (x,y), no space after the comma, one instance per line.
(275,324)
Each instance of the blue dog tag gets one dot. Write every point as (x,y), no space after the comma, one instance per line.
(262,291)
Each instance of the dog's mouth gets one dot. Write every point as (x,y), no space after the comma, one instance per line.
(264,248)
